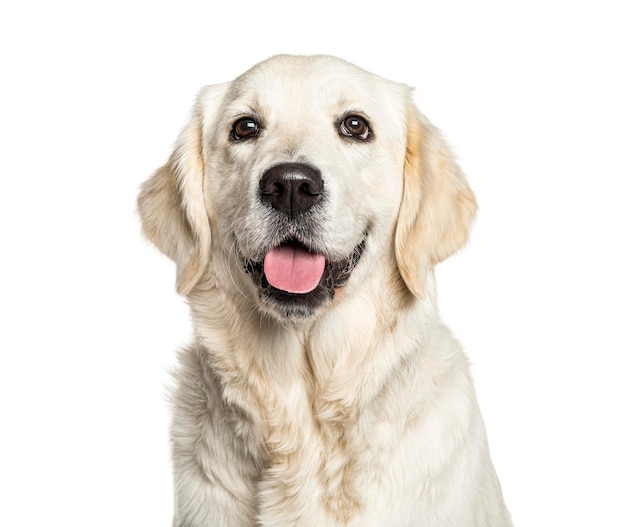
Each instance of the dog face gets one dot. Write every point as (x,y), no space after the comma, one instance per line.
(311,158)
(294,178)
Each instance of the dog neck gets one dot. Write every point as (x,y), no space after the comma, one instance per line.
(315,356)
(309,384)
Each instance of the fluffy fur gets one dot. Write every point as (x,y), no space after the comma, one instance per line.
(355,408)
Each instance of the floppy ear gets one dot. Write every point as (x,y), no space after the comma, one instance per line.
(437,206)
(171,203)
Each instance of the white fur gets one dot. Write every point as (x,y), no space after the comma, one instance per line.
(363,413)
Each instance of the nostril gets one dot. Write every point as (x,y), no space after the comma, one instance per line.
(274,188)
(311,188)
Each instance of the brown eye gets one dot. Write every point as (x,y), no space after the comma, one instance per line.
(355,126)
(245,128)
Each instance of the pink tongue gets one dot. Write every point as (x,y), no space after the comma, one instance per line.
(293,269)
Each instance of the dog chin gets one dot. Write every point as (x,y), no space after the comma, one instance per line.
(294,307)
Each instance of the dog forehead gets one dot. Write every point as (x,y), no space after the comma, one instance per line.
(313,84)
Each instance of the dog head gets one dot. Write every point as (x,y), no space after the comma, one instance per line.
(291,181)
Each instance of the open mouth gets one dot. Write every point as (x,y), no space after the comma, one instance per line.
(294,280)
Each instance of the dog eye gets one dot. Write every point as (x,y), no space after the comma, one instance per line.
(355,126)
(245,128)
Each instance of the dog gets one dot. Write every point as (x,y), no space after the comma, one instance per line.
(305,205)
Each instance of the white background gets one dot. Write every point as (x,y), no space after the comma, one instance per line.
(530,94)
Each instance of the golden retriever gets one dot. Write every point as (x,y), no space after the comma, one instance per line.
(305,205)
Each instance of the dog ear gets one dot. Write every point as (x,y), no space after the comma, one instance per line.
(437,206)
(171,203)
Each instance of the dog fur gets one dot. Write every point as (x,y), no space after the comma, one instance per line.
(349,406)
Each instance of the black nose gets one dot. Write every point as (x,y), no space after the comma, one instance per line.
(292,188)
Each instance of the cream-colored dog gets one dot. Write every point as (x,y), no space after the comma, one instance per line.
(305,205)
